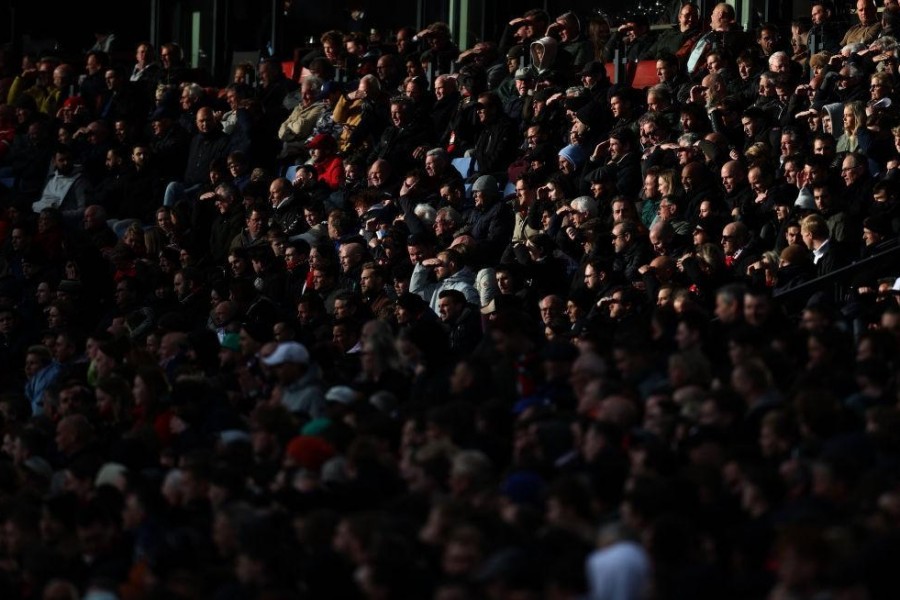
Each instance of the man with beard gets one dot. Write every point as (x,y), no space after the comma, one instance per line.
(623,159)
(375,292)
(191,294)
(450,272)
(631,250)
(67,189)
(462,321)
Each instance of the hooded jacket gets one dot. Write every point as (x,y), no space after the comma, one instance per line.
(543,54)
(463,280)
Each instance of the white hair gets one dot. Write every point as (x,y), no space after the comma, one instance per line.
(426,213)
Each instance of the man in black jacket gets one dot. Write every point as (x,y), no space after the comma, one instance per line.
(209,144)
(498,141)
(227,224)
(462,321)
(402,137)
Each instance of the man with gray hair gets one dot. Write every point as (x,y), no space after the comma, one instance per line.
(779,62)
(294,130)
(438,165)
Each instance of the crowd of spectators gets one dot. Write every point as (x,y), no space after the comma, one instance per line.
(423,322)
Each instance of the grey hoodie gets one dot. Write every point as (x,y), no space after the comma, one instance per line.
(836,112)
(547,47)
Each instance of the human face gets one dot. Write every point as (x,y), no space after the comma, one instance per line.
(432,165)
(442,270)
(205,120)
(591,277)
(720,19)
(649,134)
(823,198)
(376,175)
(616,106)
(823,148)
(441,89)
(616,150)
(651,189)
(729,178)
(865,10)
(849,120)
(447,309)
(878,89)
(549,310)
(397,115)
(416,253)
(347,257)
(238,265)
(664,71)
(504,282)
(870,237)
(729,240)
(792,235)
(790,173)
(255,223)
(850,172)
(369,282)
(767,41)
(617,306)
(688,18)
(32,365)
(619,239)
(484,113)
(818,14)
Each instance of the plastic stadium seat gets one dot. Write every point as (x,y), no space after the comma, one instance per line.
(463,165)
(644,75)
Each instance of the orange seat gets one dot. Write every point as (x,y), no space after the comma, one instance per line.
(611,70)
(644,74)
(287,66)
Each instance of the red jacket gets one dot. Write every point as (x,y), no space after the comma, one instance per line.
(331,171)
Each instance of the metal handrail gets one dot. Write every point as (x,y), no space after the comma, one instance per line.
(891,250)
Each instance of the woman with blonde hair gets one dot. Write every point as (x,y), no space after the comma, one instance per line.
(856,137)
(670,184)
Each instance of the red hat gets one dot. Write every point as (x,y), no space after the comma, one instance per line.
(309,452)
(322,141)
(73,102)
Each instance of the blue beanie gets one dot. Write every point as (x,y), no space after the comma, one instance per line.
(574,154)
